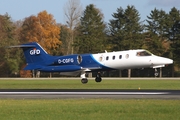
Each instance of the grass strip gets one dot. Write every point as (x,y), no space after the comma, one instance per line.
(76,84)
(89,109)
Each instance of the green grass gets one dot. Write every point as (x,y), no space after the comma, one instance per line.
(76,84)
(90,109)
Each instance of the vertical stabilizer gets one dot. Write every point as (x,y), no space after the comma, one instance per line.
(34,53)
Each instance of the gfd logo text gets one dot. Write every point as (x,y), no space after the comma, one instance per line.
(34,52)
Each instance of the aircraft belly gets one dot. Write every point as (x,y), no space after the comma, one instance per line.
(75,73)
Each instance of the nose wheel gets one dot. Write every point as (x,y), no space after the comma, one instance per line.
(156,73)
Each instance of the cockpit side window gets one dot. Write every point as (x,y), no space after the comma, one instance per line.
(144,53)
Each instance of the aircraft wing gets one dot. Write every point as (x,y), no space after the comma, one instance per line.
(91,69)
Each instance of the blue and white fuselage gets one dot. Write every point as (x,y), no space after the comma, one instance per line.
(38,59)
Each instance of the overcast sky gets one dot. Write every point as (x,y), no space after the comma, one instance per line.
(19,9)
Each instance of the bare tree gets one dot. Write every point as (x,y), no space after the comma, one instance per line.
(72,11)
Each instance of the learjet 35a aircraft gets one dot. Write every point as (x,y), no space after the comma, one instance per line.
(38,59)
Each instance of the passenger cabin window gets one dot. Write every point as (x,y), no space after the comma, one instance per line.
(107,58)
(113,57)
(144,53)
(120,56)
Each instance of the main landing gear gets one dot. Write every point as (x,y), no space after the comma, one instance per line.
(98,77)
(84,79)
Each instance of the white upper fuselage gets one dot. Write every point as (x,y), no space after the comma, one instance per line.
(131,59)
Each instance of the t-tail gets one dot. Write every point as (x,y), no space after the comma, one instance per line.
(36,57)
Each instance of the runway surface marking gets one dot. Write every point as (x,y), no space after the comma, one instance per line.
(87,93)
(83,93)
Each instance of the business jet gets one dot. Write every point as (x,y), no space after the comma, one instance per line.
(38,59)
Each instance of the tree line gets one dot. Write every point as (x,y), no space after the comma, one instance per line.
(86,32)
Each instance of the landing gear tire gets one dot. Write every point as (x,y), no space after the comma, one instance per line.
(156,73)
(98,79)
(84,80)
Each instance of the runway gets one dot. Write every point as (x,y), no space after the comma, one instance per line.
(88,93)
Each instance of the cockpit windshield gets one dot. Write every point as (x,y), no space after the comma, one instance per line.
(144,53)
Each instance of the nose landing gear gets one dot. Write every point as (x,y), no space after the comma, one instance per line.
(84,79)
(156,73)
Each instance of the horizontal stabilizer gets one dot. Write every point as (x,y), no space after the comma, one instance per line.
(32,67)
(22,46)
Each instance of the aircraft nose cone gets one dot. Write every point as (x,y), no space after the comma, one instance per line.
(169,61)
(161,61)
(164,61)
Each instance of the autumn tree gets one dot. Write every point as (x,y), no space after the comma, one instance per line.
(9,61)
(91,31)
(18,26)
(42,29)
(73,11)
